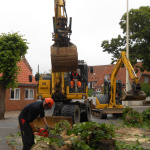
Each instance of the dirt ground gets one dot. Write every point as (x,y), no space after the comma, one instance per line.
(132,135)
(128,135)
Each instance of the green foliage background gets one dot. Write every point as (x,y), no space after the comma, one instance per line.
(139,38)
(90,92)
(146,88)
(12,47)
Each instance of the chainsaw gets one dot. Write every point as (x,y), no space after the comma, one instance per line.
(45,133)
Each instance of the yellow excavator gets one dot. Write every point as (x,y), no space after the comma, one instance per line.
(111,101)
(64,56)
(70,102)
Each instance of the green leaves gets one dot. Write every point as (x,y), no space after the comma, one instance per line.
(146,115)
(146,88)
(61,126)
(82,136)
(133,118)
(12,47)
(122,145)
(92,132)
(90,92)
(139,38)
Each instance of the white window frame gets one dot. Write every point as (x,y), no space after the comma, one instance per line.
(98,90)
(29,98)
(88,84)
(93,85)
(15,94)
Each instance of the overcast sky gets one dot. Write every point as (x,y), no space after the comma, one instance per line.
(92,22)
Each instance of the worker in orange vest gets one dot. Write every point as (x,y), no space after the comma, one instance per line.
(75,75)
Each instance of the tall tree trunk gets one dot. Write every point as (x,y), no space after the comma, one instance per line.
(2,102)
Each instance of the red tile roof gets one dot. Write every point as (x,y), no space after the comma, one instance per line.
(23,77)
(107,71)
(99,73)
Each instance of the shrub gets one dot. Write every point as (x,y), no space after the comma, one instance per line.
(90,92)
(125,112)
(146,115)
(132,118)
(91,132)
(146,88)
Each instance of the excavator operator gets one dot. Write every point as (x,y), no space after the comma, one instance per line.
(74,75)
(26,118)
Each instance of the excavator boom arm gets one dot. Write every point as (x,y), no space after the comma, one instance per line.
(135,93)
(129,67)
(64,56)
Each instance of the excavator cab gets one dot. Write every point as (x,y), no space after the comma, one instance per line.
(107,90)
(70,105)
(77,81)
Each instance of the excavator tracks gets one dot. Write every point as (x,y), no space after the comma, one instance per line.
(98,113)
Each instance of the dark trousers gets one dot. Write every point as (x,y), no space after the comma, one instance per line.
(26,133)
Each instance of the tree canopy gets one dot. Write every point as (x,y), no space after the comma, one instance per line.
(139,38)
(12,47)
(146,88)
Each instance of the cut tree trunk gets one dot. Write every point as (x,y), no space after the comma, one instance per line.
(2,102)
(108,144)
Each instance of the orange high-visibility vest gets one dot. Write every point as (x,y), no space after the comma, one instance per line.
(79,84)
(74,75)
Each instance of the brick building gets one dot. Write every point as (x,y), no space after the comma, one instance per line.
(96,79)
(17,98)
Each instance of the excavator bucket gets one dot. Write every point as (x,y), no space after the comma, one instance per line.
(133,96)
(51,121)
(64,59)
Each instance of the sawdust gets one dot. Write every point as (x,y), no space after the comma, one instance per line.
(42,145)
(128,135)
(133,134)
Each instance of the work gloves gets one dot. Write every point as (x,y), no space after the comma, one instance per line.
(46,127)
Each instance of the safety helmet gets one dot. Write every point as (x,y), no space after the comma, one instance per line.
(49,102)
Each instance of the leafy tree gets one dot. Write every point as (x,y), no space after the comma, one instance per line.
(139,38)
(146,88)
(90,92)
(12,47)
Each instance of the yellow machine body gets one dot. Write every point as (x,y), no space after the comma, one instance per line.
(47,88)
(69,101)
(135,94)
(64,56)
(64,60)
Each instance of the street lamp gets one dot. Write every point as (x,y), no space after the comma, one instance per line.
(127,52)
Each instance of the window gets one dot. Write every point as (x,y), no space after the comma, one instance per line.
(146,79)
(93,83)
(89,84)
(29,94)
(98,90)
(15,94)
